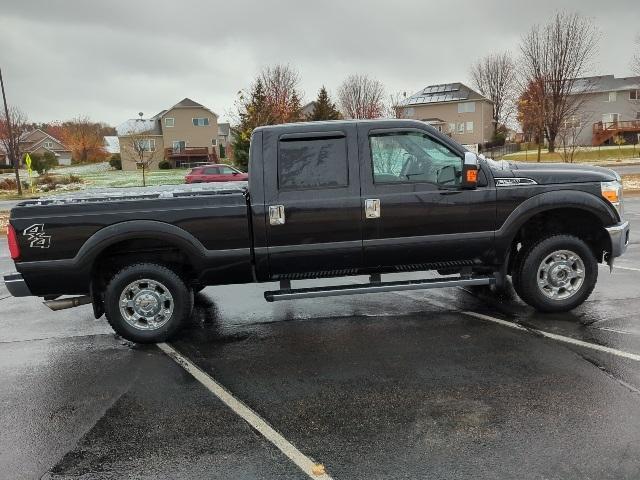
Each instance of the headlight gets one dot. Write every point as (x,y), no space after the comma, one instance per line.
(612,191)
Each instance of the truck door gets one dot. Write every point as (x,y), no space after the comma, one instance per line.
(416,213)
(312,199)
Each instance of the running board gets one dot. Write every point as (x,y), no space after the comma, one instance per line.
(375,287)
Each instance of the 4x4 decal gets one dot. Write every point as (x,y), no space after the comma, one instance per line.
(37,237)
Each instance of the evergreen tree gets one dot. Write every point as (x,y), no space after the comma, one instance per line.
(253,112)
(324,108)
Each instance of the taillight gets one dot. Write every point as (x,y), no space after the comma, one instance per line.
(14,249)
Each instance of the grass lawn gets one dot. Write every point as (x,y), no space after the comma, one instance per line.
(119,178)
(583,154)
(100,175)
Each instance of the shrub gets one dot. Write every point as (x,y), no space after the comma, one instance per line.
(8,184)
(51,182)
(43,163)
(165,165)
(116,161)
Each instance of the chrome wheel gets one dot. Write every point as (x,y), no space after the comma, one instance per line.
(561,274)
(146,304)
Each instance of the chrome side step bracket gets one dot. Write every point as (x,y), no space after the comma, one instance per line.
(375,287)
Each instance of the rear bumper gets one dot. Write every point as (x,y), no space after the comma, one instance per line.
(619,237)
(16,285)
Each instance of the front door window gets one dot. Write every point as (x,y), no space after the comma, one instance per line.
(412,157)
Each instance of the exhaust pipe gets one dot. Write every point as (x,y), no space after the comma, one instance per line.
(64,303)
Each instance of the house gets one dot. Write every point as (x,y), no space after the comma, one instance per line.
(39,142)
(307,109)
(185,134)
(607,107)
(225,138)
(453,109)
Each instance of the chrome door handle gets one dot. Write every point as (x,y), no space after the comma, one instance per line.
(276,214)
(372,208)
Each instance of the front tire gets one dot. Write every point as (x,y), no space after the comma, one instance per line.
(147,303)
(556,274)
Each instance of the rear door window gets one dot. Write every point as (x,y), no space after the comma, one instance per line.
(312,163)
(212,171)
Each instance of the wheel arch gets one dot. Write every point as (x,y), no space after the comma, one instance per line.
(571,212)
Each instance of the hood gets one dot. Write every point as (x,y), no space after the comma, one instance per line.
(550,173)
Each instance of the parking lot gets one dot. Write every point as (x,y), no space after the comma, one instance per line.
(448,384)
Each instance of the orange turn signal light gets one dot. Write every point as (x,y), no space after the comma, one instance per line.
(472,176)
(611,195)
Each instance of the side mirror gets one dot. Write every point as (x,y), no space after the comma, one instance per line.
(470,170)
(235,173)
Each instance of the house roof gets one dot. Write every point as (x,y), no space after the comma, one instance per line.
(442,93)
(137,125)
(187,103)
(605,83)
(24,138)
(224,129)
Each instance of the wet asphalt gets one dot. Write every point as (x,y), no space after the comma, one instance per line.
(395,385)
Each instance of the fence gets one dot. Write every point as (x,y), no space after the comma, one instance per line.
(499,151)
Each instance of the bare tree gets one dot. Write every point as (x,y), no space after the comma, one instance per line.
(494,76)
(557,54)
(361,97)
(143,145)
(85,139)
(395,107)
(11,130)
(569,134)
(280,83)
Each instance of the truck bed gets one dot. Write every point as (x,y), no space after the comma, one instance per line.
(212,218)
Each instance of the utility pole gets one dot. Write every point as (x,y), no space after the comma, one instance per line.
(12,146)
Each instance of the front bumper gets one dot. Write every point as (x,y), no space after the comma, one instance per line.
(619,237)
(16,285)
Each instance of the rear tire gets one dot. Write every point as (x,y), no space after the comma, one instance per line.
(147,303)
(556,274)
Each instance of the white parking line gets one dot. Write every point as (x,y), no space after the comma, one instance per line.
(309,467)
(553,336)
(516,326)
(626,268)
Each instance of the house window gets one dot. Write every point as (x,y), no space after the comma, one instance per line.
(609,118)
(469,127)
(200,122)
(634,95)
(461,127)
(169,122)
(467,107)
(610,97)
(214,142)
(146,145)
(452,127)
(409,112)
(48,144)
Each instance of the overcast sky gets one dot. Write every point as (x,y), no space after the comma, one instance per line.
(112,59)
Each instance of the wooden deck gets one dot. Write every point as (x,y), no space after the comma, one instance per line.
(603,131)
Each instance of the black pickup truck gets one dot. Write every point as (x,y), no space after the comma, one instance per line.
(324,199)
